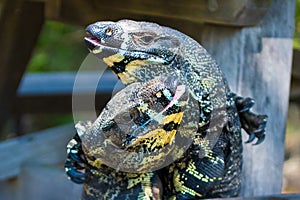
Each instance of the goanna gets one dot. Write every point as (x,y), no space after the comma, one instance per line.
(211,166)
(119,166)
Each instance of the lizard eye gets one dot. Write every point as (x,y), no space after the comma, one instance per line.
(143,38)
(147,39)
(124,118)
(108,32)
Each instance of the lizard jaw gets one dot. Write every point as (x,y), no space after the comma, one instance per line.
(92,43)
(96,46)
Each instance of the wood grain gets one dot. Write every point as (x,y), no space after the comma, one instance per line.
(20,24)
(257,63)
(229,12)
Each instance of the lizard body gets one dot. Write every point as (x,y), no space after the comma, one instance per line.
(120,166)
(141,51)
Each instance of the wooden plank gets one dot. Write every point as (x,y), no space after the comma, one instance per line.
(257,63)
(38,181)
(40,188)
(48,147)
(270,197)
(56,83)
(52,92)
(229,12)
(20,24)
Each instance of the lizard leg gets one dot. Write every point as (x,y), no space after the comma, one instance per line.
(252,123)
(195,175)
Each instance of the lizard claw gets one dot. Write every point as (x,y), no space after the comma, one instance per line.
(75,162)
(260,139)
(75,175)
(244,105)
(251,138)
(260,135)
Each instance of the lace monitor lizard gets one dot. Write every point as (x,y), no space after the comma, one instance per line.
(212,163)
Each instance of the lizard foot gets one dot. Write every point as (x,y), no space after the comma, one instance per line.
(75,162)
(252,123)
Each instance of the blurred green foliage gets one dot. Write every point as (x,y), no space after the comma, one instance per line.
(60,48)
(297,26)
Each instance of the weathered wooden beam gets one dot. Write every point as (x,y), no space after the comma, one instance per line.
(257,62)
(20,24)
(52,92)
(229,12)
(46,146)
(269,197)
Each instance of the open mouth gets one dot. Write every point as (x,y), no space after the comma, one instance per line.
(93,43)
(96,46)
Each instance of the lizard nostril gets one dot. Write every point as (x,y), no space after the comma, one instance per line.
(88,34)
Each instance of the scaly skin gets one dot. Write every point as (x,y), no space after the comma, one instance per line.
(141,51)
(141,121)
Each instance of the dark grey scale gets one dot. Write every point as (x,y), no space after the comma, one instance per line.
(118,68)
(202,131)
(146,149)
(205,110)
(163,100)
(112,124)
(140,118)
(173,109)
(205,166)
(156,148)
(170,126)
(167,55)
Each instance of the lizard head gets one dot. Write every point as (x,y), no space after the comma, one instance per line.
(133,50)
(138,126)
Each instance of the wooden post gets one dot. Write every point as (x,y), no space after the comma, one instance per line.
(257,63)
(20,25)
